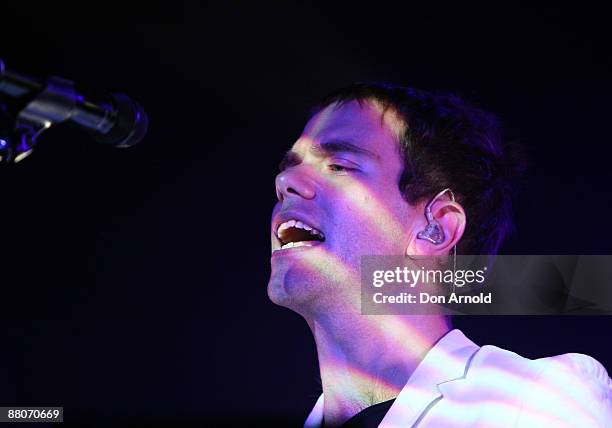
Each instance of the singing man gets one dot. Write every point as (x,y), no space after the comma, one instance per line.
(370,162)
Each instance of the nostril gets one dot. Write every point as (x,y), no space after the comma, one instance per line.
(292,190)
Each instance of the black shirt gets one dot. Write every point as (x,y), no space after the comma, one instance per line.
(370,417)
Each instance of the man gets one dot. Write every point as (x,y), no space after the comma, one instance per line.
(359,180)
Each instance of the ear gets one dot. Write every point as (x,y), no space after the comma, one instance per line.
(451,218)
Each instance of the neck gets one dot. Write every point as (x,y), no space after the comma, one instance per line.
(365,359)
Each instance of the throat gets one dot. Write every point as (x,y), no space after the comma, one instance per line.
(349,390)
(366,360)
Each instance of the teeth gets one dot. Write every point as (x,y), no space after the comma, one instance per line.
(286,225)
(316,232)
(295,244)
(299,225)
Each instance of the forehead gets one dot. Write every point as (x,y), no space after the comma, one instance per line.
(365,124)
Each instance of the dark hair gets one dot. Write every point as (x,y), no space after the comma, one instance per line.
(449,143)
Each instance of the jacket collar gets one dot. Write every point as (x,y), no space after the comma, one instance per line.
(445,362)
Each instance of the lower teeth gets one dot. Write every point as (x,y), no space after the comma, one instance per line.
(296,244)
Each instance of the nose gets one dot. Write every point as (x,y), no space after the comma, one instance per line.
(294,182)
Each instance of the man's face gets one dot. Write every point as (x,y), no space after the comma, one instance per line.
(341,178)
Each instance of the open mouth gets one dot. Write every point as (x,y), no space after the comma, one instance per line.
(295,233)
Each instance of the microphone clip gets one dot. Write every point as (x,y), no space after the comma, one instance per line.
(54,104)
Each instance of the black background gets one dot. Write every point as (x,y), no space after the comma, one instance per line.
(134,281)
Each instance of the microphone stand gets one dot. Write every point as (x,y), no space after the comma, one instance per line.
(28,108)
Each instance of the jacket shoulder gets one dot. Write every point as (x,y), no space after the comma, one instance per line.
(565,390)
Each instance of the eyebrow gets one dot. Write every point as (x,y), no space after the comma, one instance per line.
(291,158)
(342,146)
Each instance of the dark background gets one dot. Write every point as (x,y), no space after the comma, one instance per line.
(134,281)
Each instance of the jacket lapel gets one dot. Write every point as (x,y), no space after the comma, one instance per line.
(315,418)
(445,363)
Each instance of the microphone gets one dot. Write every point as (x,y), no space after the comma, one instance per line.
(33,106)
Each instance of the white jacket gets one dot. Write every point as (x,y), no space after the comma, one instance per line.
(459,384)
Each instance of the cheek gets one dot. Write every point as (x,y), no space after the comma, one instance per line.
(363,235)
(368,221)
(375,224)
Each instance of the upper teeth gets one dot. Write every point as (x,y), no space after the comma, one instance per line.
(298,224)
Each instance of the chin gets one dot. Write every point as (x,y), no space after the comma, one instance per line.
(293,291)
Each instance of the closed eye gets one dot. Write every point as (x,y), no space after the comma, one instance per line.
(339,168)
